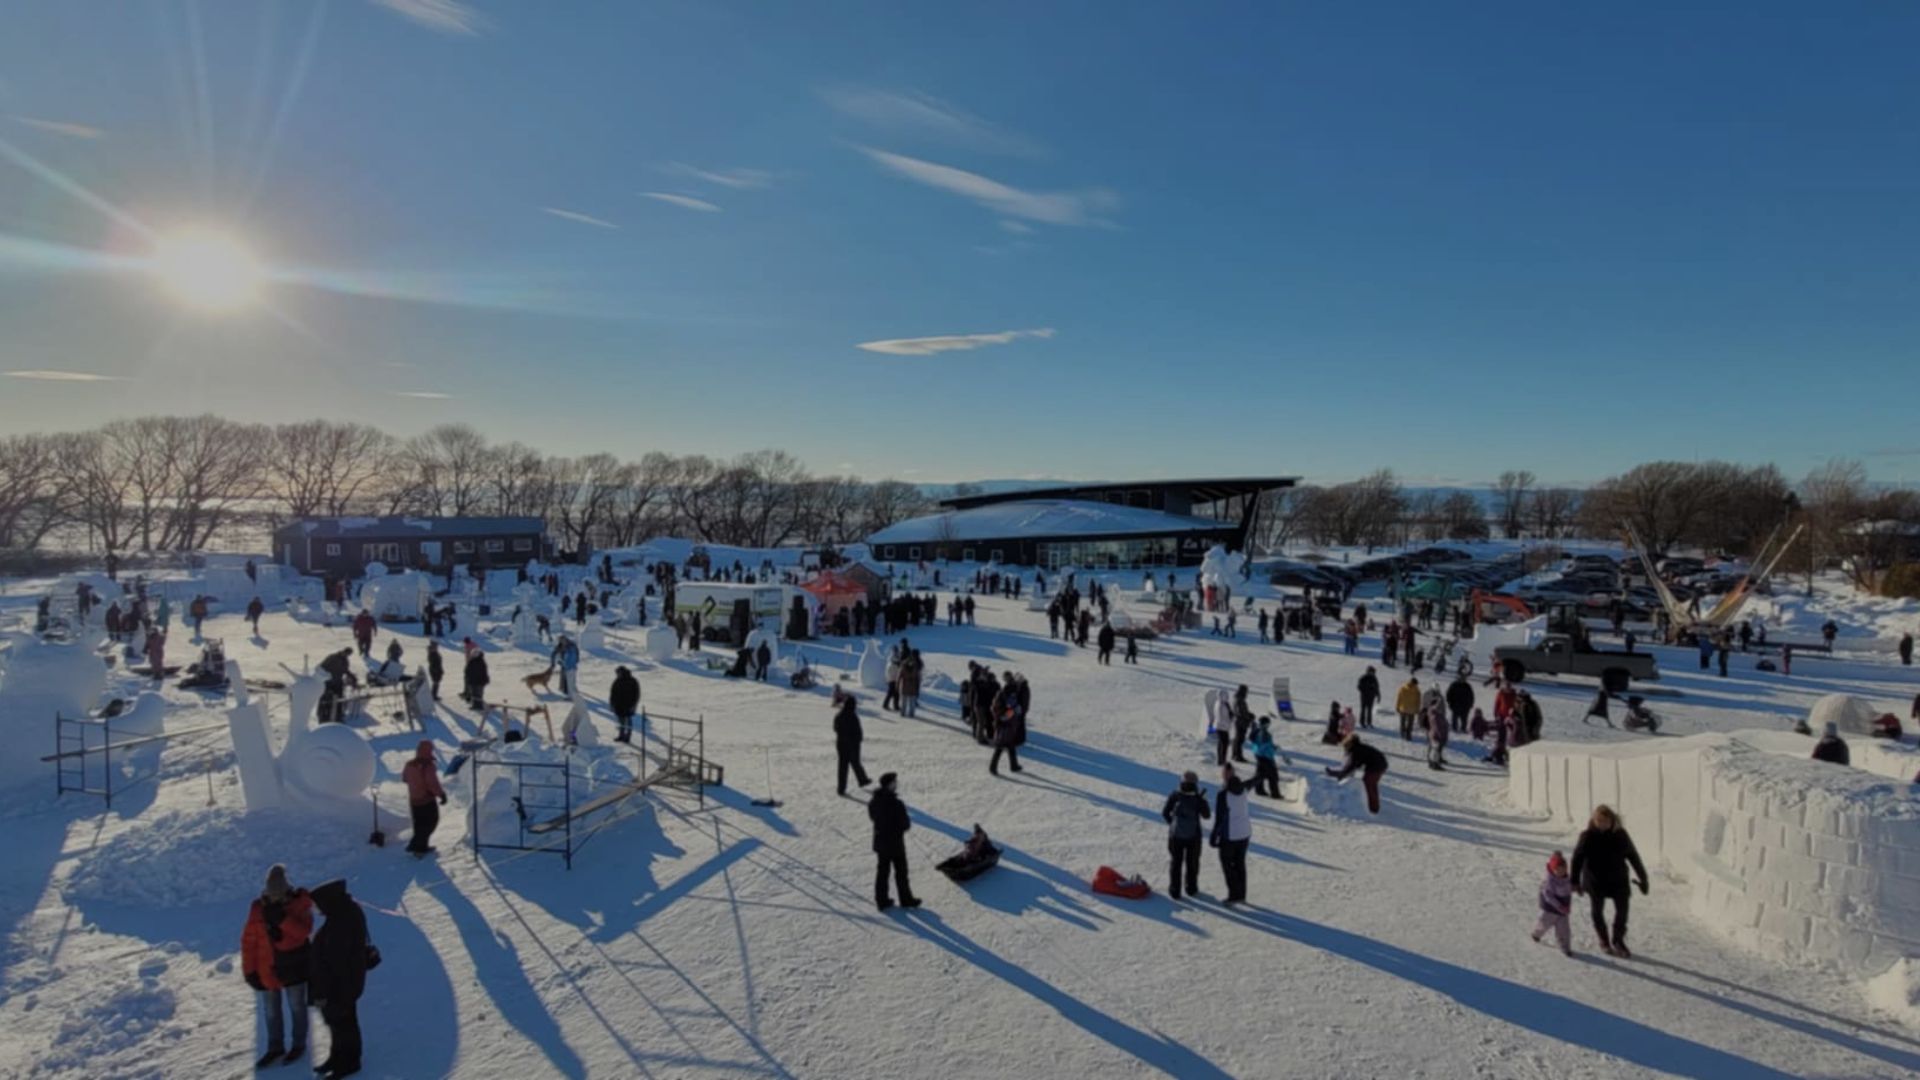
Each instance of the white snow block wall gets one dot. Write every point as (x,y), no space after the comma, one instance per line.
(1786,855)
(41,678)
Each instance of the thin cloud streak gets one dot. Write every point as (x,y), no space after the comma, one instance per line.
(61,127)
(575,215)
(914,113)
(928,346)
(443,16)
(65,376)
(738,179)
(1082,209)
(685,202)
(423,395)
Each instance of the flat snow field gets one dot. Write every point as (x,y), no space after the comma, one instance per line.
(742,941)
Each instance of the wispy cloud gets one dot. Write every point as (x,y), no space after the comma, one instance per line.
(685,202)
(61,127)
(919,114)
(423,395)
(575,215)
(1017,228)
(444,16)
(736,178)
(65,376)
(1895,451)
(927,346)
(1076,208)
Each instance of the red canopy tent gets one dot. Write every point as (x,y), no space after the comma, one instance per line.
(836,592)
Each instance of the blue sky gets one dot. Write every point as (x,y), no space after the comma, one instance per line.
(1147,239)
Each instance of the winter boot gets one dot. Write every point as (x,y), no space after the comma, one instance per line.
(271,1057)
(294,1055)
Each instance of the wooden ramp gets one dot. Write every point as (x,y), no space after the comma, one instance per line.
(620,794)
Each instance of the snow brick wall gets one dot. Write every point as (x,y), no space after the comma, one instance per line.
(1783,854)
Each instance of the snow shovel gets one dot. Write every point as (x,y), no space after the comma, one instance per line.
(769,801)
(378,838)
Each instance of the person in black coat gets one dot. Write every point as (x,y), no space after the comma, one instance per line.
(762,660)
(1600,862)
(890,825)
(1242,723)
(1009,734)
(1460,702)
(1106,643)
(339,975)
(1369,687)
(1371,764)
(1832,748)
(477,679)
(1186,808)
(624,699)
(436,667)
(847,736)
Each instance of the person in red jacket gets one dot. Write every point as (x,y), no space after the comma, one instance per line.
(364,625)
(274,957)
(424,795)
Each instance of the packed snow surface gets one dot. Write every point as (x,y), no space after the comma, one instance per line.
(735,940)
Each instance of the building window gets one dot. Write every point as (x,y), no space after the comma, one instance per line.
(496,545)
(523,545)
(913,553)
(333,549)
(889,555)
(386,553)
(997,555)
(966,554)
(463,547)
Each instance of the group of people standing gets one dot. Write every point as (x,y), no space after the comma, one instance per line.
(293,967)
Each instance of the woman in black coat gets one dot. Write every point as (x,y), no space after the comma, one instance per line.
(339,975)
(1600,862)
(624,699)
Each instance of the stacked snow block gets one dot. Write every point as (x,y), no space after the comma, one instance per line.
(1786,855)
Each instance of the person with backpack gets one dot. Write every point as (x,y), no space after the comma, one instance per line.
(1601,858)
(342,956)
(275,956)
(1186,808)
(890,824)
(1371,764)
(1232,833)
(623,697)
(425,797)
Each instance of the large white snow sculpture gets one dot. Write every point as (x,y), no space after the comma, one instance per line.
(873,667)
(661,641)
(42,678)
(593,637)
(327,769)
(396,597)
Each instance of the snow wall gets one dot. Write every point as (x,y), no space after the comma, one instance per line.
(1788,856)
(37,680)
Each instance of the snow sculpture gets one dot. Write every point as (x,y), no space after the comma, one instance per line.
(252,748)
(42,678)
(577,729)
(148,716)
(1218,567)
(1852,715)
(593,637)
(303,697)
(660,642)
(326,770)
(873,667)
(395,597)
(526,627)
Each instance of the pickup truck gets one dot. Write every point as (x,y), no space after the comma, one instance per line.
(1555,655)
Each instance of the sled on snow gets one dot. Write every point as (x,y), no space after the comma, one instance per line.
(966,867)
(1108,882)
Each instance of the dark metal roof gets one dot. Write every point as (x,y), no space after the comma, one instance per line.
(404,527)
(1200,491)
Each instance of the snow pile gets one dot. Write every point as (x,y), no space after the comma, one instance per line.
(42,678)
(1325,797)
(1852,715)
(183,858)
(1897,990)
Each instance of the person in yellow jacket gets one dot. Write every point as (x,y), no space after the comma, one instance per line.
(1407,704)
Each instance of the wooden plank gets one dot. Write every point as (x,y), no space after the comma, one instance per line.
(601,802)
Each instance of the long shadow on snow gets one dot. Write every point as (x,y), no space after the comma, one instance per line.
(609,867)
(1828,1031)
(1150,1048)
(1530,1007)
(406,1015)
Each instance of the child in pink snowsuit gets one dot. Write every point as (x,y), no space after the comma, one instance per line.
(1556,900)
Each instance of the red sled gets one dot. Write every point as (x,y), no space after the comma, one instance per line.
(1108,880)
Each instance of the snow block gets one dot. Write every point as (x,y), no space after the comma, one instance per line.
(661,641)
(42,678)
(873,667)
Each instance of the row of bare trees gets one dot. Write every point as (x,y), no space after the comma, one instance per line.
(1377,511)
(176,483)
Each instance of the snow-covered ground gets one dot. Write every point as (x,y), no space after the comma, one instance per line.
(736,940)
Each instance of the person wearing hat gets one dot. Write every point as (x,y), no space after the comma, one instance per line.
(341,951)
(1556,901)
(1832,748)
(425,796)
(274,958)
(1186,808)
(1601,858)
(624,699)
(890,825)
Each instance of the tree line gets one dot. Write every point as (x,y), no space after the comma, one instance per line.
(178,483)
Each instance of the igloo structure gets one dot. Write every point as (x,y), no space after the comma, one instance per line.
(1852,715)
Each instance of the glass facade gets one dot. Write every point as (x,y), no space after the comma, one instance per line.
(1110,554)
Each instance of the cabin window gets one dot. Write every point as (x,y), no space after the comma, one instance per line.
(913,553)
(463,547)
(966,554)
(890,552)
(523,545)
(496,545)
(333,549)
(386,553)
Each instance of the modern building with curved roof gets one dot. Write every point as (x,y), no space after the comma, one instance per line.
(1108,525)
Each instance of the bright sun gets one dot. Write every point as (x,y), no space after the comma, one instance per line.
(207,269)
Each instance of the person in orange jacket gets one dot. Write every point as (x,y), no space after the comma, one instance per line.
(425,796)
(275,955)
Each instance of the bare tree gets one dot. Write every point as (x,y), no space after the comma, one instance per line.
(448,467)
(1510,499)
(34,490)
(1461,517)
(321,467)
(1552,511)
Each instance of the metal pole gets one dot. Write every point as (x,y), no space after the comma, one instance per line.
(475,831)
(566,772)
(106,757)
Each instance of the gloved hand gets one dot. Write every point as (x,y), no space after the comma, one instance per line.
(1331,770)
(1213,841)
(1643,887)
(254,981)
(443,800)
(274,931)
